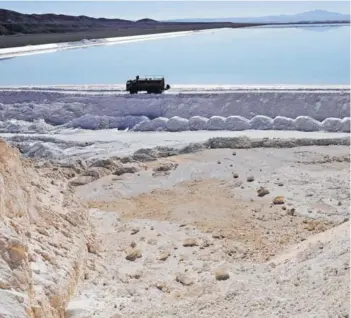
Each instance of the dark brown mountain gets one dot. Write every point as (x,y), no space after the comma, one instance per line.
(18,29)
(12,22)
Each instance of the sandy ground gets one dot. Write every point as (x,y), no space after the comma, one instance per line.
(198,241)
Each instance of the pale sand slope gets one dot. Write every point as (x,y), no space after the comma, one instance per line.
(281,262)
(44,239)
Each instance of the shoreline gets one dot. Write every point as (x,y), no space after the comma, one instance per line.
(11,52)
(22,40)
(13,41)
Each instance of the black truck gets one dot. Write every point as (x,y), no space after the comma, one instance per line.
(153,84)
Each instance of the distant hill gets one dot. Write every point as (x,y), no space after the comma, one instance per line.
(15,23)
(12,22)
(147,21)
(309,16)
(35,29)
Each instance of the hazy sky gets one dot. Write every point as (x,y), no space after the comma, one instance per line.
(165,9)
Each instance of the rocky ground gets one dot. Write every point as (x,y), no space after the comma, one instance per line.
(256,232)
(222,233)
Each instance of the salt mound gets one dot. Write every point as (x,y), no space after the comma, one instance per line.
(283,123)
(345,124)
(159,124)
(143,126)
(177,124)
(198,123)
(21,126)
(124,122)
(260,122)
(156,124)
(13,126)
(305,123)
(237,123)
(95,122)
(42,150)
(89,122)
(216,123)
(40,126)
(332,124)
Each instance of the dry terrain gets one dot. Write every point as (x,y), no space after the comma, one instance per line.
(205,217)
(258,232)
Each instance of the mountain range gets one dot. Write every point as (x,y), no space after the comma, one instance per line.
(19,29)
(309,16)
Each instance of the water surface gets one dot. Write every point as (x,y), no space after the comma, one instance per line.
(304,55)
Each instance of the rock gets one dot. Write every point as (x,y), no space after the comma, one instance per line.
(218,162)
(81,180)
(166,166)
(42,231)
(151,241)
(135,275)
(104,163)
(132,252)
(17,253)
(222,274)
(190,242)
(250,179)
(218,236)
(125,169)
(95,172)
(279,200)
(234,153)
(261,192)
(134,231)
(291,212)
(235,175)
(133,244)
(162,286)
(205,244)
(184,279)
(127,159)
(164,256)
(93,247)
